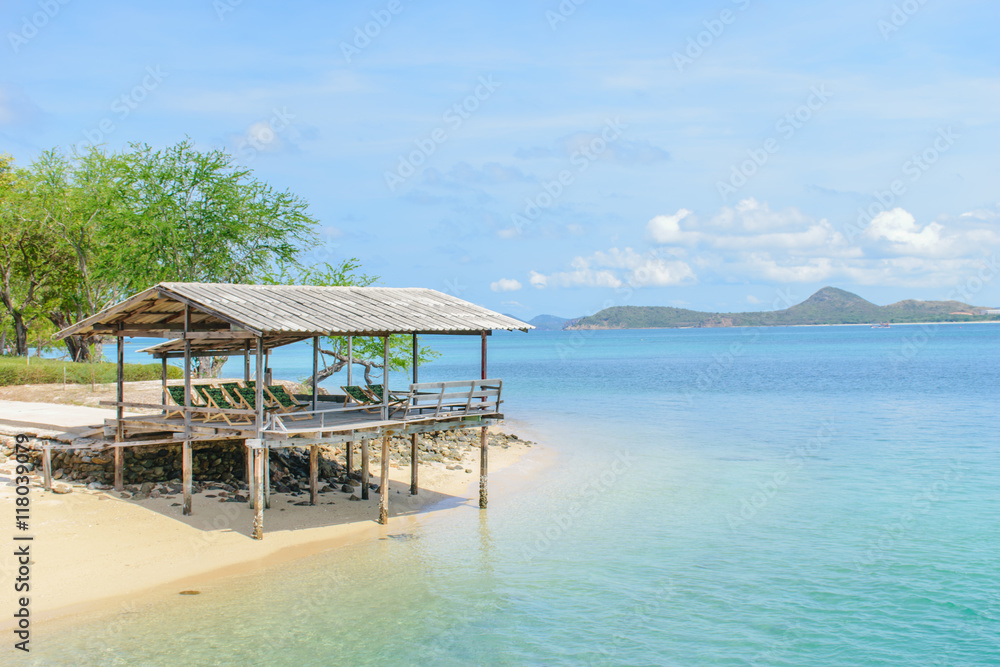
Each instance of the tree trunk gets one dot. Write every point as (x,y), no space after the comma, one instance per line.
(75,345)
(20,334)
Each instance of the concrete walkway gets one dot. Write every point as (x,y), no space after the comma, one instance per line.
(50,420)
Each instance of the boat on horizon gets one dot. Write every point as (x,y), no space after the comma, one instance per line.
(881,325)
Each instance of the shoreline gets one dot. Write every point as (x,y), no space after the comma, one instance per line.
(94,551)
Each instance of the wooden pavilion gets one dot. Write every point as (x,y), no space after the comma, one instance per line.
(204,319)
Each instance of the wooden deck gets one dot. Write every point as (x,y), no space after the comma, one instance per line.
(327,425)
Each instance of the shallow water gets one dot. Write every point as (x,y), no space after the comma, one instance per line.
(786,496)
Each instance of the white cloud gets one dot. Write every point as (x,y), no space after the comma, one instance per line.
(667,228)
(506,285)
(615,268)
(752,299)
(900,228)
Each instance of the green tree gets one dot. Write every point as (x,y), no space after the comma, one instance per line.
(181,214)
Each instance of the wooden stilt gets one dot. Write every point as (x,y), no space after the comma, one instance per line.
(186,468)
(414,453)
(187,475)
(350,457)
(383,485)
(364,468)
(313,474)
(483,466)
(119,469)
(483,439)
(258,483)
(414,461)
(120,428)
(250,485)
(47,467)
(267,478)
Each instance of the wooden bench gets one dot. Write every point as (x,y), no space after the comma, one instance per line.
(450,399)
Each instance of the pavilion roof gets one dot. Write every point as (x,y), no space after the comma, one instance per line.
(228,316)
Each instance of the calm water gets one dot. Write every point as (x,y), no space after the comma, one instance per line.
(788,496)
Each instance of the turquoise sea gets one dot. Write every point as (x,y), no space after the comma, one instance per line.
(782,496)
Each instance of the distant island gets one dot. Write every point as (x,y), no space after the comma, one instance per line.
(829,305)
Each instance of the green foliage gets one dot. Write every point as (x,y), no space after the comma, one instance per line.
(827,306)
(80,233)
(18,370)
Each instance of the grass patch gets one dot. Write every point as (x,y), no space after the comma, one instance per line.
(14,371)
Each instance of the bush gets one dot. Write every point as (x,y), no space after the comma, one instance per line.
(15,370)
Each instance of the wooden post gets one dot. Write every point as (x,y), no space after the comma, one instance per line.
(258,482)
(267,477)
(414,451)
(120,413)
(246,362)
(385,378)
(186,458)
(315,370)
(313,474)
(364,468)
(350,360)
(250,486)
(383,485)
(163,384)
(258,402)
(47,467)
(350,457)
(483,441)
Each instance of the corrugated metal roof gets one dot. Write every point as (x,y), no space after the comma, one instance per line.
(294,311)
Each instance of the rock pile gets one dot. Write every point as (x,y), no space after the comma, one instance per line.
(221,466)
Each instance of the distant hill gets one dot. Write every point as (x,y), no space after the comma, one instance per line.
(548,322)
(827,306)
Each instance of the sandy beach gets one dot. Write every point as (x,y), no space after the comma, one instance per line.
(92,548)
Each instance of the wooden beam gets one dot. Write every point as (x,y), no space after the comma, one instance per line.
(364,468)
(313,474)
(259,405)
(187,471)
(120,414)
(383,485)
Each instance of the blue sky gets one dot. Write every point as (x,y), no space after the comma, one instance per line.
(547,157)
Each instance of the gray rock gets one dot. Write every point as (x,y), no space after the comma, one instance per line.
(347,488)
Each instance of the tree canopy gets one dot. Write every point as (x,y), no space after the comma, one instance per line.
(81,232)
